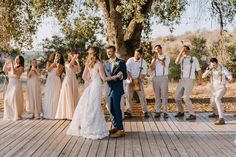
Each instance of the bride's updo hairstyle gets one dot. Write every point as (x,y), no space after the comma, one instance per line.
(92,57)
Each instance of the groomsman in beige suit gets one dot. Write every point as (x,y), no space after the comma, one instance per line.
(218,76)
(189,65)
(160,68)
(136,70)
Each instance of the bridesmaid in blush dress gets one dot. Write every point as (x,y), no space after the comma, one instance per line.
(70,89)
(34,102)
(55,68)
(13,99)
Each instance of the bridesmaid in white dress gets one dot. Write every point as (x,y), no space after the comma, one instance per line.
(13,99)
(34,103)
(88,120)
(69,95)
(55,68)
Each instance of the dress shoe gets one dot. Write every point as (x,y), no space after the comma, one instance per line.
(179,114)
(113,130)
(191,117)
(118,133)
(128,114)
(220,121)
(213,115)
(157,115)
(165,116)
(146,115)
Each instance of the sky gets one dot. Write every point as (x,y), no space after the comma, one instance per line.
(196,17)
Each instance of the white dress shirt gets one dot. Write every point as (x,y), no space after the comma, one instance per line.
(218,75)
(133,66)
(188,69)
(161,70)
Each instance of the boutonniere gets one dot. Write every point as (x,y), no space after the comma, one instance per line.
(116,64)
(141,68)
(219,74)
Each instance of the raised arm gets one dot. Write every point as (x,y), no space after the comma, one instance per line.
(178,59)
(5,68)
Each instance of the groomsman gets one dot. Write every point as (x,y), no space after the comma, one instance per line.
(189,65)
(160,68)
(218,76)
(136,70)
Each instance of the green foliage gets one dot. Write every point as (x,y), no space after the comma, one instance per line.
(174,71)
(199,50)
(231,49)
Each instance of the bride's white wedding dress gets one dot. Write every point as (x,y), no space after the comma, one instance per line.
(88,120)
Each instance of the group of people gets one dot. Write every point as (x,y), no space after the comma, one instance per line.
(62,100)
(137,69)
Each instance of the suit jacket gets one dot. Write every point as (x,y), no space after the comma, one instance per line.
(115,86)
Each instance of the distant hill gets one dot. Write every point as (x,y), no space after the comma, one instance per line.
(171,44)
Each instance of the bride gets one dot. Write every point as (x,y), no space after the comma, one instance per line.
(88,120)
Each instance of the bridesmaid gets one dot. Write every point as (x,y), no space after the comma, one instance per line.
(70,89)
(34,104)
(55,67)
(13,99)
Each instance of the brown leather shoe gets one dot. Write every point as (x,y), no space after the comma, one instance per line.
(113,130)
(220,121)
(179,114)
(157,115)
(118,133)
(191,117)
(213,115)
(165,116)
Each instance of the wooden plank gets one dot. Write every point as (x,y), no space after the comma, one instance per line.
(58,144)
(151,139)
(102,149)
(32,141)
(190,138)
(128,140)
(70,145)
(143,138)
(77,147)
(136,144)
(43,140)
(168,142)
(94,148)
(181,142)
(11,136)
(161,145)
(85,148)
(204,137)
(11,149)
(50,140)
(222,138)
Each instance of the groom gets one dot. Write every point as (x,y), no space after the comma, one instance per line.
(114,90)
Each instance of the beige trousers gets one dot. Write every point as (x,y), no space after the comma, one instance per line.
(129,98)
(160,87)
(184,90)
(217,93)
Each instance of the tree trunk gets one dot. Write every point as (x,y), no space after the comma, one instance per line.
(125,41)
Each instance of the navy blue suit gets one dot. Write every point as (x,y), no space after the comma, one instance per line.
(114,90)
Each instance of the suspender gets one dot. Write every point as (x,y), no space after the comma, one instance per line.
(140,68)
(190,70)
(163,73)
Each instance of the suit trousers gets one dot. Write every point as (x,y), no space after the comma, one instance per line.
(160,87)
(130,93)
(217,93)
(184,90)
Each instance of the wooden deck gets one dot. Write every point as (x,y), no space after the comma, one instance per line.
(144,137)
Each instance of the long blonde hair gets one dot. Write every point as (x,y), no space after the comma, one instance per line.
(92,57)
